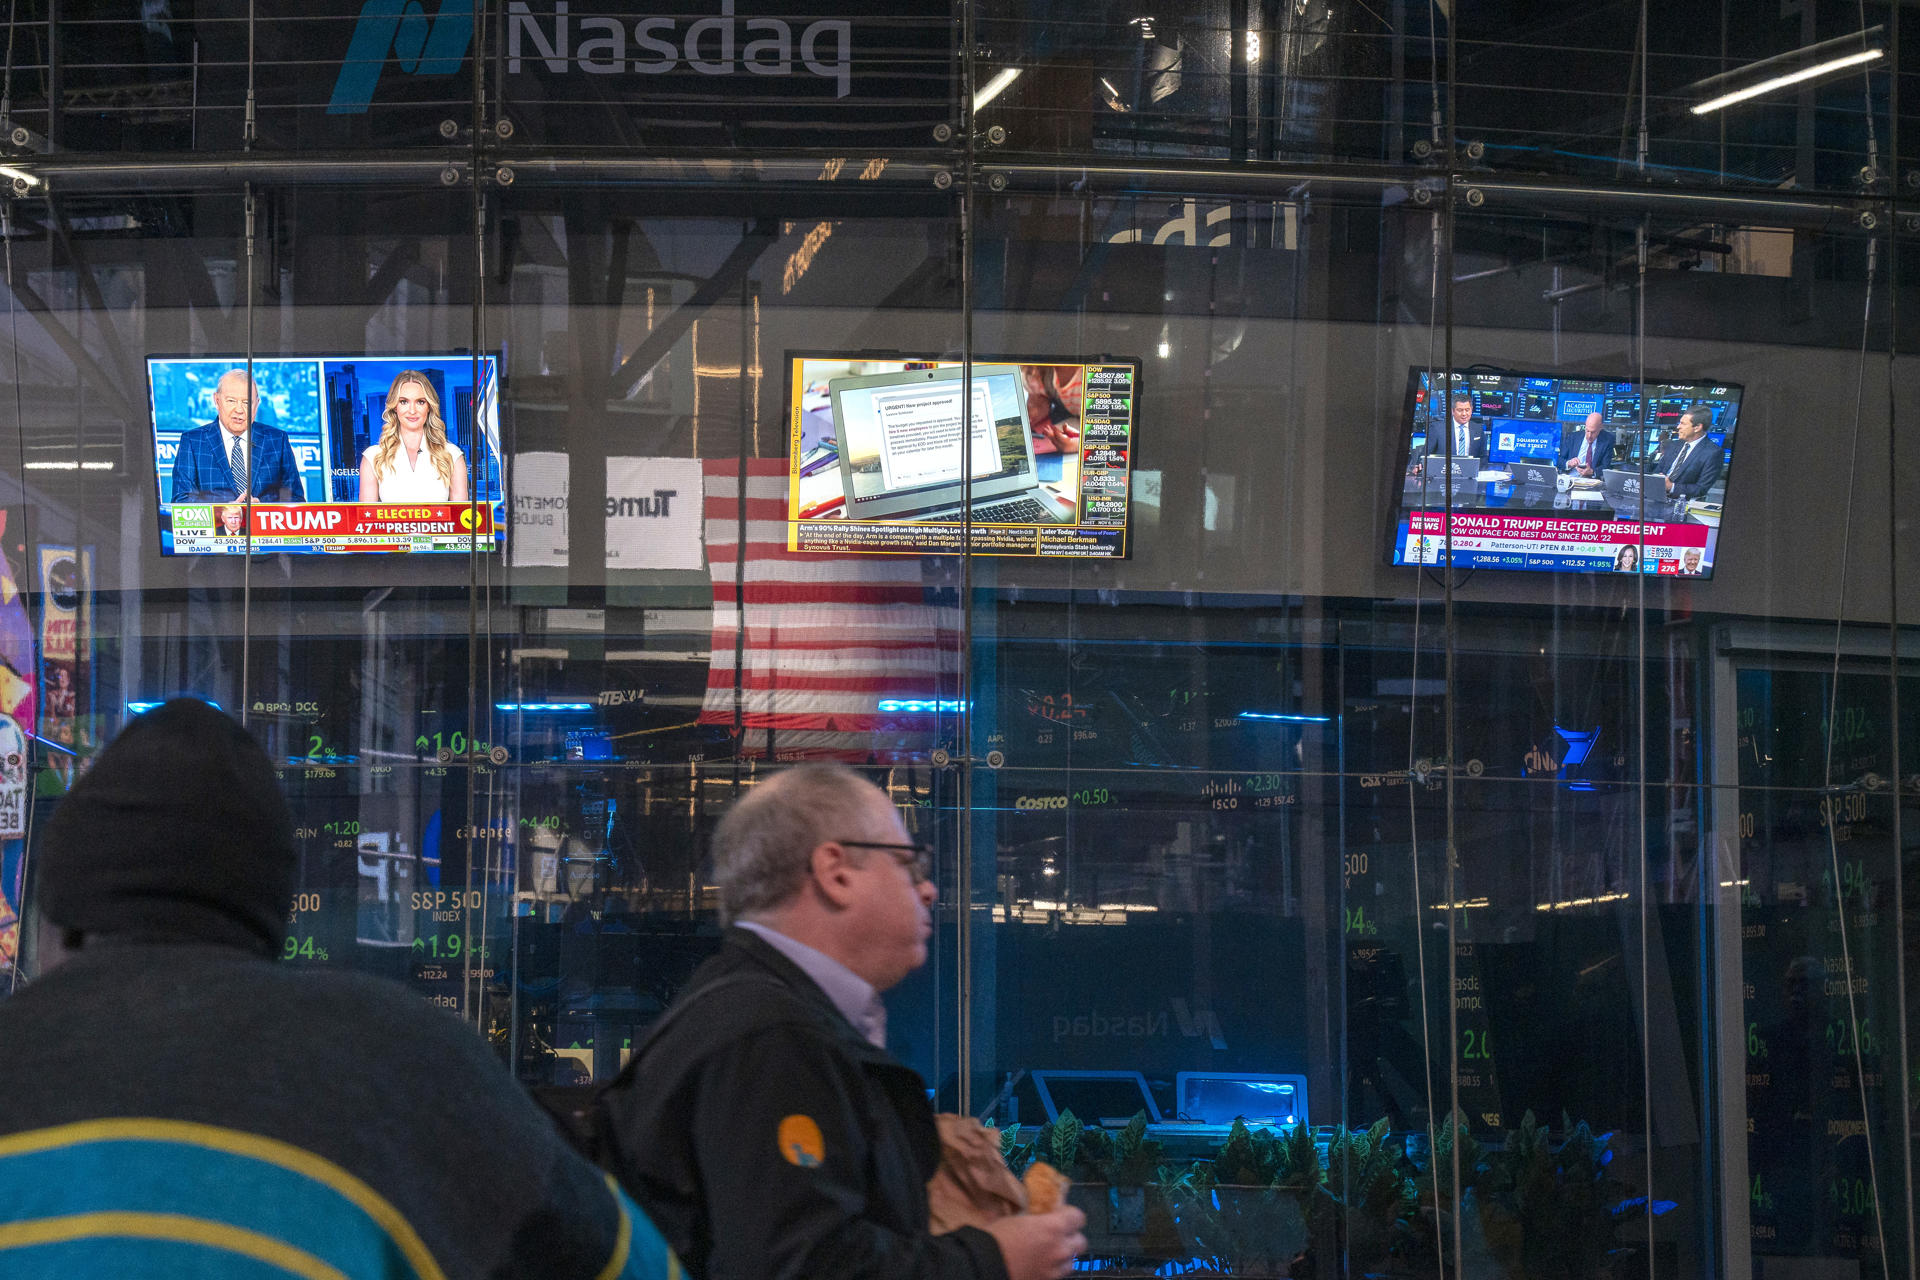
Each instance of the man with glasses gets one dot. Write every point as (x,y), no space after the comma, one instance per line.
(763,1124)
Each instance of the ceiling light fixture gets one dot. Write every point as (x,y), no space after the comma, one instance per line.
(1791,77)
(996,86)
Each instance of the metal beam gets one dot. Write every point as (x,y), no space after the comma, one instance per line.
(725,279)
(387,276)
(75,350)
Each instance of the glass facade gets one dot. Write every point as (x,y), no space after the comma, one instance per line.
(1519,848)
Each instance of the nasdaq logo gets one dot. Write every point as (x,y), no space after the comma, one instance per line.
(399,32)
(419,46)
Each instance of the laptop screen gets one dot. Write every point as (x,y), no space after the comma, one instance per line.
(1107,1100)
(905,438)
(1222,1099)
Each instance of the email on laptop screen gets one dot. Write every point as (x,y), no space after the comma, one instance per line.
(907,437)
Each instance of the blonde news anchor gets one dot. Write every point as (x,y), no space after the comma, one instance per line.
(414,461)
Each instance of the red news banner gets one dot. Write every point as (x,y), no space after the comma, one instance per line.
(332,526)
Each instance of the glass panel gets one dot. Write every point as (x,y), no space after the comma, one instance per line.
(1243,757)
(653,646)
(1735,96)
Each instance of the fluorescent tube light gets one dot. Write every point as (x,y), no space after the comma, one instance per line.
(1792,77)
(995,87)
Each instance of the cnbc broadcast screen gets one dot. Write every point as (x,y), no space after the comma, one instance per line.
(887,454)
(1560,474)
(326,454)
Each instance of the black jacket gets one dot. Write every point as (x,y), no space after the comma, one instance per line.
(770,1141)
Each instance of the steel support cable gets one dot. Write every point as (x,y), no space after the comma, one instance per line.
(19,422)
(1448,700)
(963,891)
(246,492)
(1893,662)
(6,76)
(470,976)
(1435,396)
(1828,788)
(1643,888)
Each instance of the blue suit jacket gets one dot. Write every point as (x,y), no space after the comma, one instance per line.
(201,472)
(1575,440)
(1700,471)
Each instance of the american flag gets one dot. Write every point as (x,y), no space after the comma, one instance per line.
(826,637)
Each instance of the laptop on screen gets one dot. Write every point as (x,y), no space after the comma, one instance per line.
(1624,487)
(901,452)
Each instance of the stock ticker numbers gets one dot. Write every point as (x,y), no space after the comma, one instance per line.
(1813,879)
(1474,1073)
(430,746)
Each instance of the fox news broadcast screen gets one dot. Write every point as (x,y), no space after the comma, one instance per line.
(1556,474)
(327,454)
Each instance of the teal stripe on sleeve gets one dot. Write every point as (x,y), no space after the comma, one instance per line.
(151,1177)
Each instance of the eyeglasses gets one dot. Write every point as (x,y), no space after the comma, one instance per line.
(916,858)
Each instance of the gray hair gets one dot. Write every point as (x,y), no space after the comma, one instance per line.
(253,387)
(763,845)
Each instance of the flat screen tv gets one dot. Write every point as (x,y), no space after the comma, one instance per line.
(315,418)
(876,449)
(1562,474)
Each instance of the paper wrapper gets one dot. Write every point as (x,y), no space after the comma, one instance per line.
(973,1185)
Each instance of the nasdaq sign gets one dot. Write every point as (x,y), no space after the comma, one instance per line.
(417,44)
(892,60)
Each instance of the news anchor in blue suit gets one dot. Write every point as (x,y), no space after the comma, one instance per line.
(233,455)
(1692,463)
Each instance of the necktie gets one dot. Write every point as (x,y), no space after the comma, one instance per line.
(1462,441)
(237,461)
(1679,458)
(1586,453)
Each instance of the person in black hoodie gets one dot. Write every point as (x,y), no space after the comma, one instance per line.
(764,1126)
(175,1103)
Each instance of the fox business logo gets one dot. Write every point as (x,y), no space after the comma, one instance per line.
(438,46)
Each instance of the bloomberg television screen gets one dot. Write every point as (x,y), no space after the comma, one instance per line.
(876,455)
(288,475)
(1564,474)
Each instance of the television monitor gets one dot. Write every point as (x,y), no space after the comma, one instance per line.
(306,497)
(1110,1098)
(1221,1097)
(1525,487)
(876,452)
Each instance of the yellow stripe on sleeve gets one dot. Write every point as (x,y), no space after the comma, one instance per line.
(623,1241)
(252,1145)
(170,1227)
